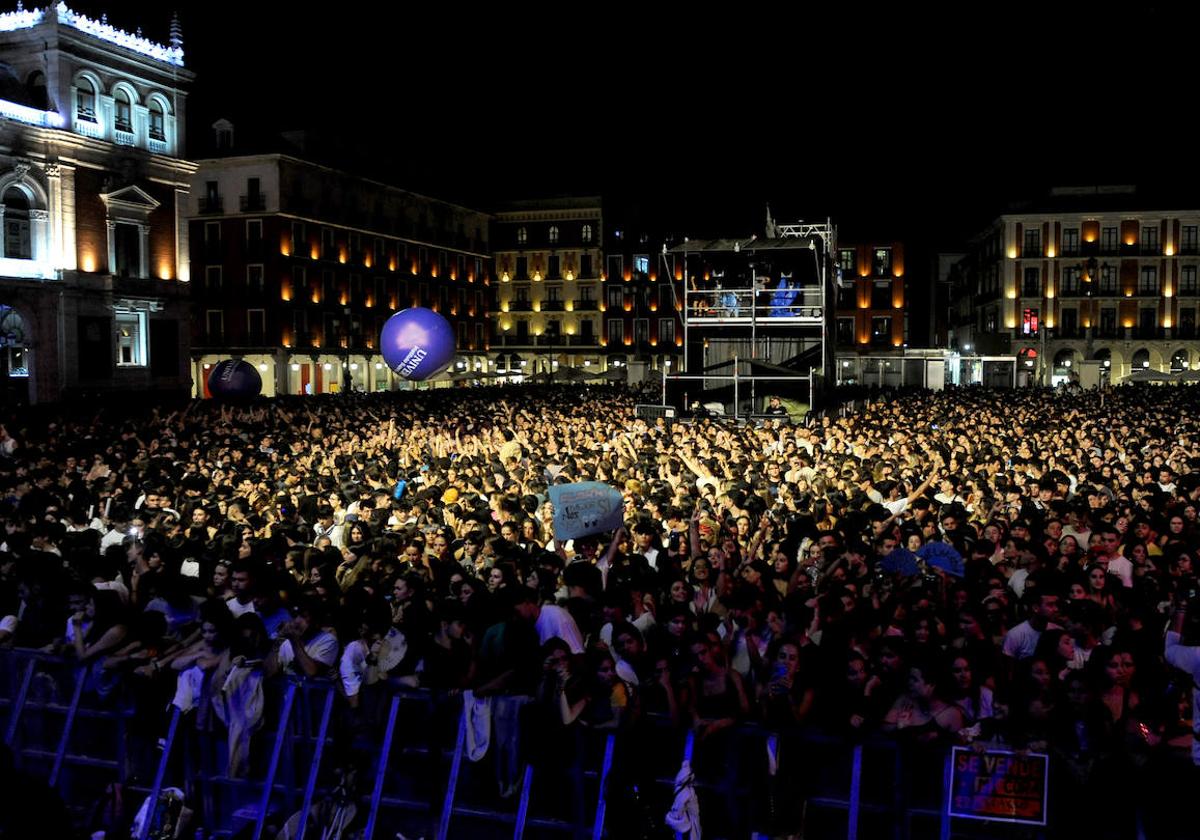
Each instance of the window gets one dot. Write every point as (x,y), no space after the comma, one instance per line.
(213,279)
(845,331)
(131,339)
(1148,280)
(666,297)
(666,330)
(122,112)
(254,278)
(1108,240)
(1032,285)
(554,267)
(1108,321)
(641,330)
(254,232)
(616,332)
(553,329)
(212,233)
(1029,322)
(522,268)
(158,120)
(214,324)
(1070,241)
(848,261)
(297,238)
(553,233)
(587,233)
(554,294)
(17,241)
(256,325)
(586,294)
(881,262)
(1187,323)
(616,267)
(300,326)
(1108,279)
(327,244)
(522,235)
(616,297)
(585,266)
(641,267)
(1033,243)
(127,245)
(522,294)
(881,329)
(1070,322)
(1190,239)
(1150,239)
(85,101)
(1070,281)
(328,291)
(1187,280)
(443,263)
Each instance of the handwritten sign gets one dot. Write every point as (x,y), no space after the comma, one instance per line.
(999,785)
(587,507)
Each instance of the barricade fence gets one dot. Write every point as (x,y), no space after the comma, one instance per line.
(399,765)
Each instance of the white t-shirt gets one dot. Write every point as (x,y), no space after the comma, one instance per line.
(238,608)
(352,668)
(322,648)
(1187,658)
(1122,568)
(555,622)
(1021,641)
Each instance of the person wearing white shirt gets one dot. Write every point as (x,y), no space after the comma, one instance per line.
(304,647)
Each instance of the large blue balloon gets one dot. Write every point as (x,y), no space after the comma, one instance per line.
(417,343)
(234,379)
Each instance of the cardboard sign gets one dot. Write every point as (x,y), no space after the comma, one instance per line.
(587,507)
(998,785)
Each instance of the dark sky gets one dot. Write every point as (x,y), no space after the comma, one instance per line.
(898,125)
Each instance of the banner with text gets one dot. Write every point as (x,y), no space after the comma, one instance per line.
(999,785)
(587,507)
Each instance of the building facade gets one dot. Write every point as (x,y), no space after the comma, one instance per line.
(643,300)
(549,304)
(872,301)
(93,199)
(298,265)
(1090,274)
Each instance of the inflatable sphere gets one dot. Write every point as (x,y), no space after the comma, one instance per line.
(234,379)
(417,343)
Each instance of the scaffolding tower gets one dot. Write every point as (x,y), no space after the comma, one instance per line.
(756,319)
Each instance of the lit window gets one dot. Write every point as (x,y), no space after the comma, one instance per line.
(587,233)
(522,235)
(158,121)
(131,339)
(553,233)
(124,111)
(85,101)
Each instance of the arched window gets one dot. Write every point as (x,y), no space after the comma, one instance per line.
(1141,359)
(553,233)
(123,111)
(158,121)
(522,235)
(17,243)
(36,84)
(1179,362)
(587,233)
(85,101)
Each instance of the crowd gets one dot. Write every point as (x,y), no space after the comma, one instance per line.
(770,572)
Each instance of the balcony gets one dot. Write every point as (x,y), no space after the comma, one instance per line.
(520,306)
(1150,249)
(1032,252)
(123,136)
(212,204)
(255,203)
(1189,249)
(506,340)
(742,306)
(552,306)
(587,305)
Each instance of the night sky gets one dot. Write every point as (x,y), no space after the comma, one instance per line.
(921,129)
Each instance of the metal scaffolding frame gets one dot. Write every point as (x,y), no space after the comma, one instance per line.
(731,314)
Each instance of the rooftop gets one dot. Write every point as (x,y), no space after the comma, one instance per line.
(24,18)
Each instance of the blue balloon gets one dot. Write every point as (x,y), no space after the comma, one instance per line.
(234,379)
(417,343)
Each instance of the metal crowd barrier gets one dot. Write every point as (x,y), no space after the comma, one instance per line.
(295,749)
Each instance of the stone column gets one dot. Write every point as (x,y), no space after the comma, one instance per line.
(111,228)
(143,250)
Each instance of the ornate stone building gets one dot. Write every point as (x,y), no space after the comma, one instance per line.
(93,203)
